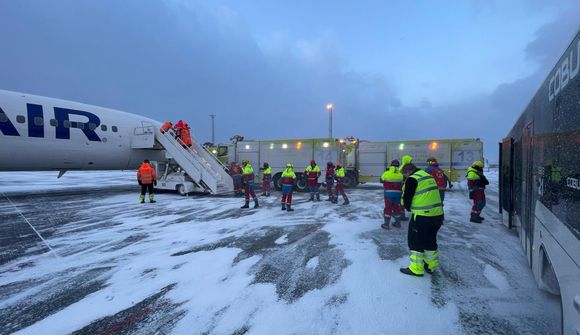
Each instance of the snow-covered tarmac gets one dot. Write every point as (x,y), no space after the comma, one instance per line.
(202,265)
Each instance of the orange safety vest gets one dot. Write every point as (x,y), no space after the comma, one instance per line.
(146,174)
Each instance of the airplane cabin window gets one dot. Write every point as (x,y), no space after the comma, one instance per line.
(92,126)
(80,125)
(20,119)
(38,121)
(114,129)
(104,127)
(66,123)
(3,117)
(53,122)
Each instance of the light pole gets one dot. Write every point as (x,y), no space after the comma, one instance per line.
(329,108)
(212,128)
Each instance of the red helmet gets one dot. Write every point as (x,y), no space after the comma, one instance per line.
(329,164)
(395,162)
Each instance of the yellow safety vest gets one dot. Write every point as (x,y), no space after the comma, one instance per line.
(268,170)
(288,173)
(248,169)
(340,172)
(392,175)
(472,174)
(427,200)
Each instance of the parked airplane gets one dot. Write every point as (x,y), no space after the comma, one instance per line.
(39,133)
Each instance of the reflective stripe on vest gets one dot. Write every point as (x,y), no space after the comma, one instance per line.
(427,200)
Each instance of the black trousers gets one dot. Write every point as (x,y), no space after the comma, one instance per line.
(423,232)
(146,188)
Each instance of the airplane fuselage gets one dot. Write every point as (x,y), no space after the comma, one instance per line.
(39,133)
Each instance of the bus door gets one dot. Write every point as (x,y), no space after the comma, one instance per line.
(527,229)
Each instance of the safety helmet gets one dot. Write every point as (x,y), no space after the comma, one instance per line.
(266,165)
(313,162)
(432,161)
(289,165)
(329,164)
(245,161)
(395,162)
(478,164)
(339,164)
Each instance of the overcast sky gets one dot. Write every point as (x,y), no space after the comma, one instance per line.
(394,70)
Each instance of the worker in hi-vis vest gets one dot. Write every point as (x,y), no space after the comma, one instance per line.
(421,198)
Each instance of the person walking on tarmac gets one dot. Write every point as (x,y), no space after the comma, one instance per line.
(312,172)
(147,178)
(248,182)
(266,180)
(236,173)
(440,177)
(476,183)
(329,179)
(406,159)
(339,177)
(288,182)
(392,181)
(421,197)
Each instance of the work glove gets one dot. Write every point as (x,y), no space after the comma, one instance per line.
(155,183)
(450,185)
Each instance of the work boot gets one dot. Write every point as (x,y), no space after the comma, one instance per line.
(142,199)
(289,208)
(397,224)
(475,218)
(480,217)
(404,218)
(426,267)
(318,197)
(151,198)
(152,201)
(385,226)
(408,271)
(256,205)
(311,198)
(246,205)
(346,202)
(283,207)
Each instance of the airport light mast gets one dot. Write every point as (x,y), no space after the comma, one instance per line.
(329,108)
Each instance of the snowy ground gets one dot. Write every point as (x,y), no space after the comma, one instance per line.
(201,265)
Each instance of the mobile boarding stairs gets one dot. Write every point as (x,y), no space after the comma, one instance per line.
(203,169)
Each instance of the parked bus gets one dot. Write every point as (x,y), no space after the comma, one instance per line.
(540,184)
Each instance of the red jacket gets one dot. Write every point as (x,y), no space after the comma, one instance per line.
(329,174)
